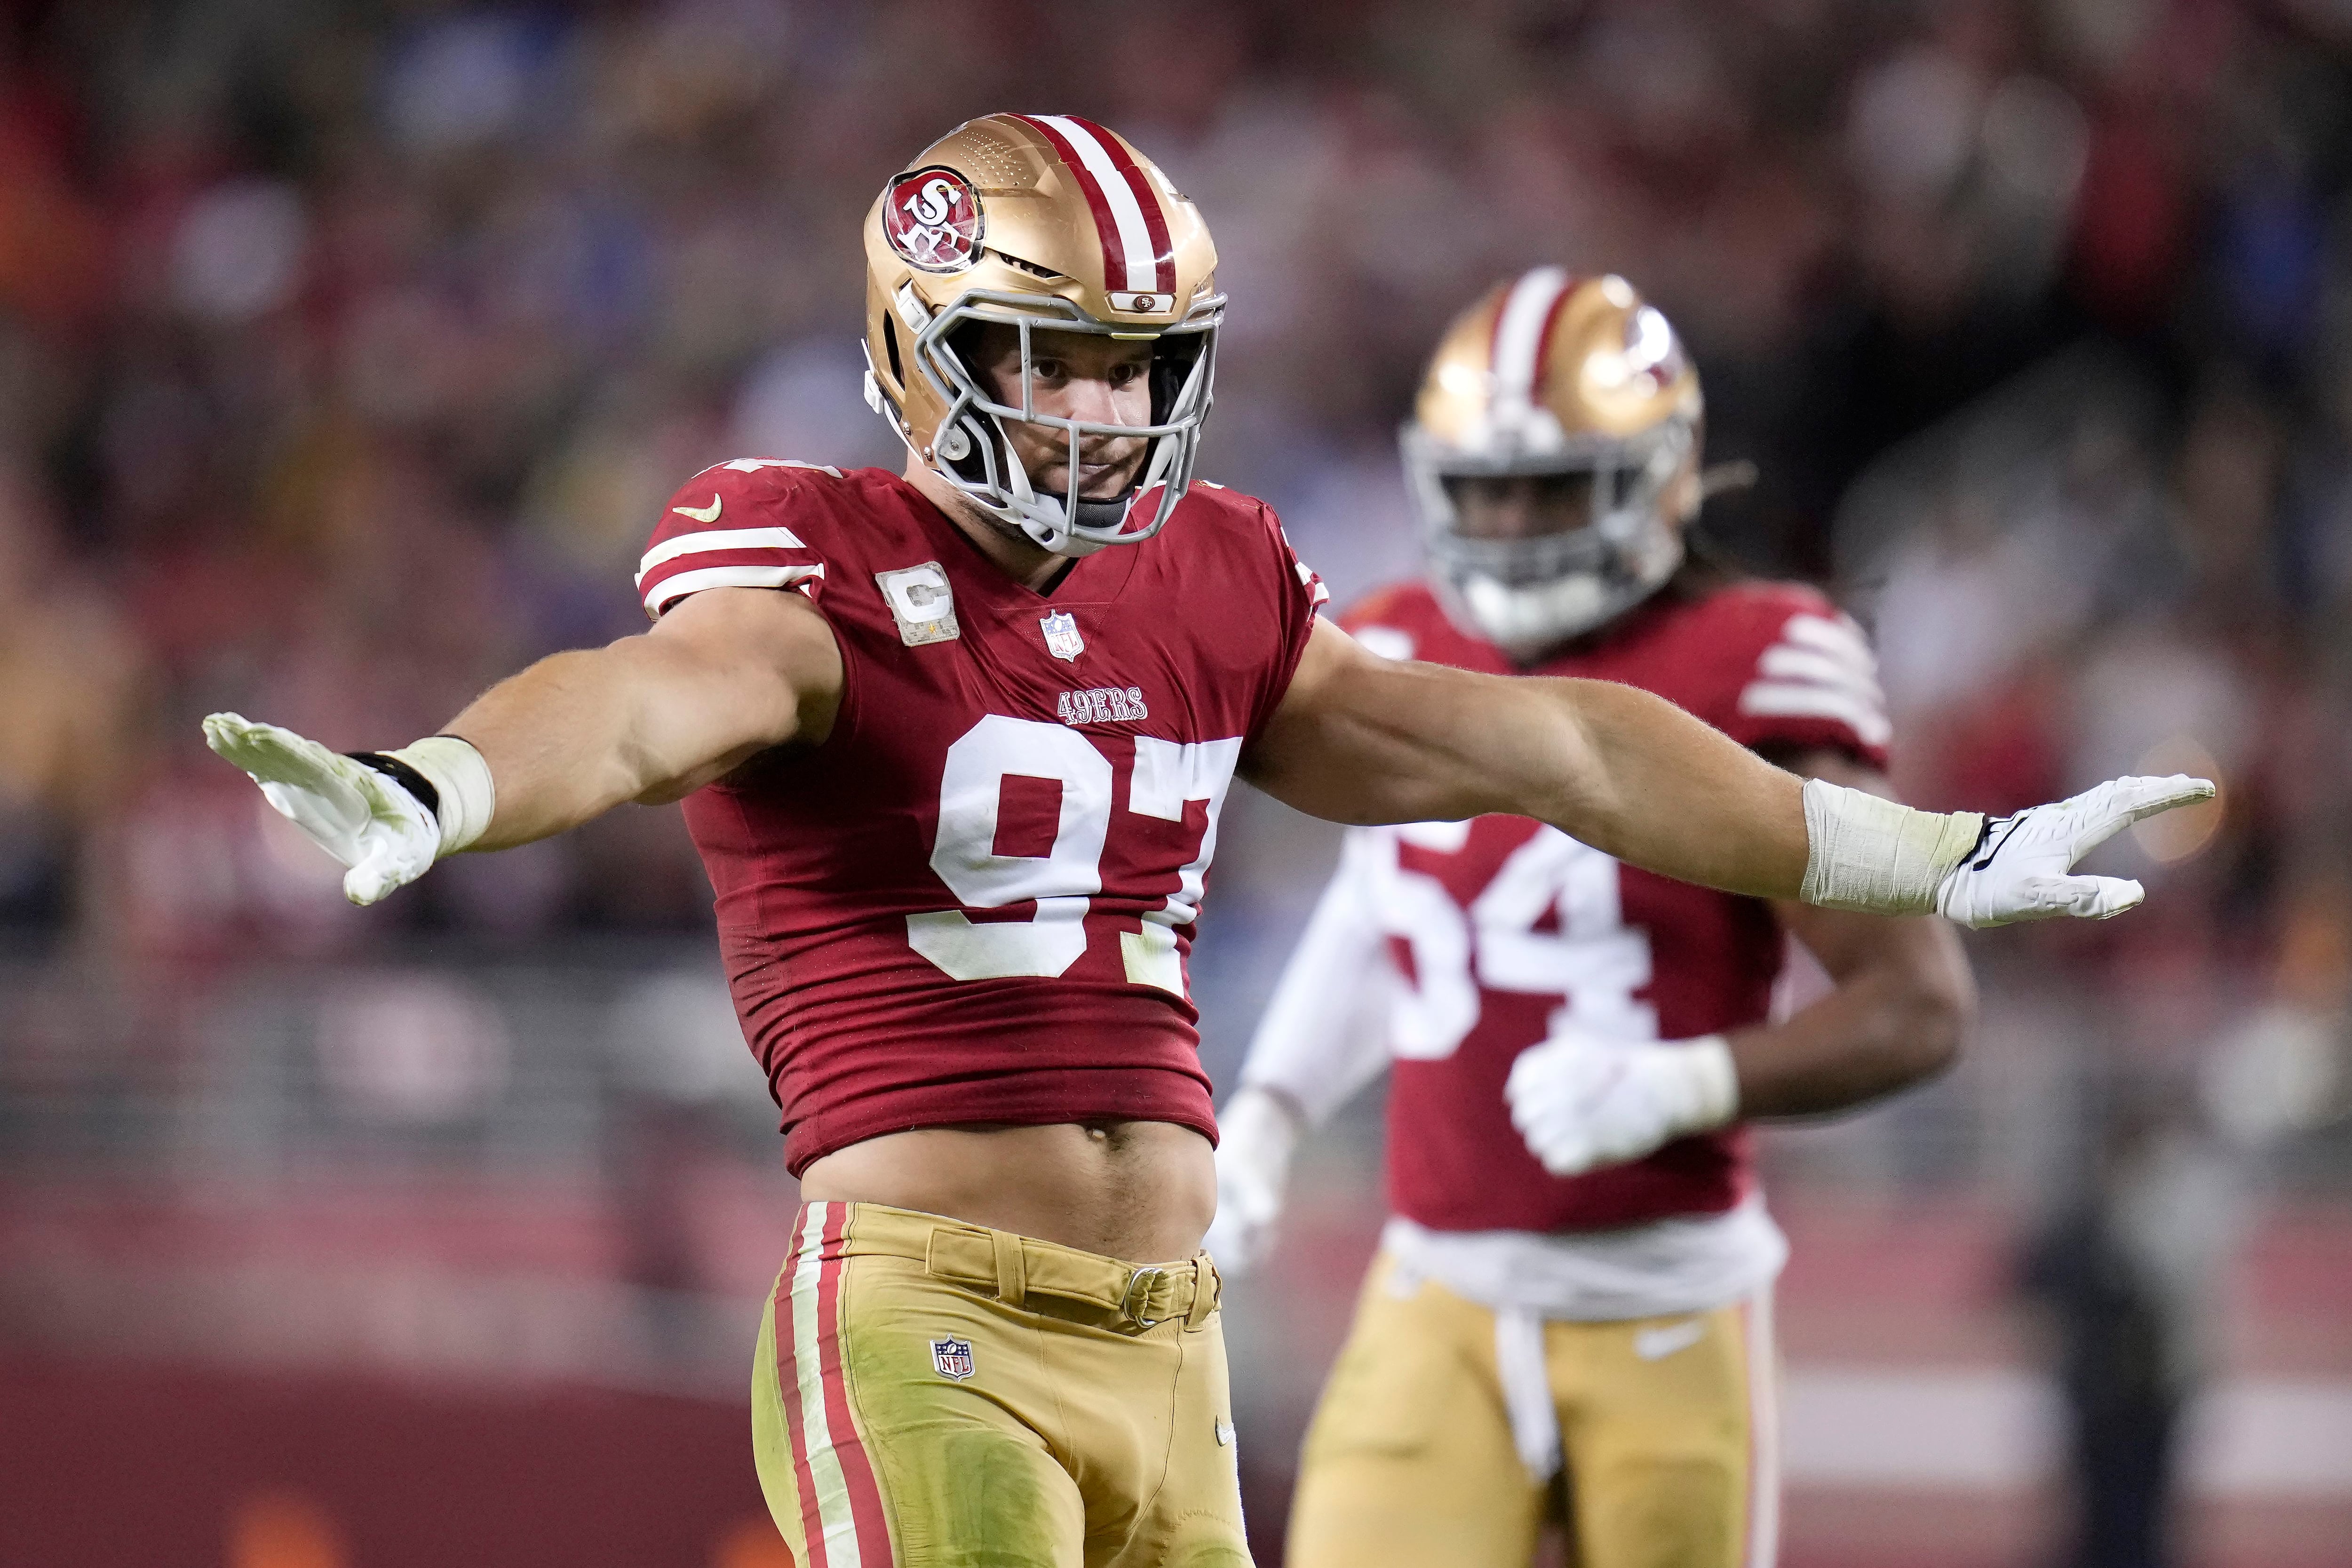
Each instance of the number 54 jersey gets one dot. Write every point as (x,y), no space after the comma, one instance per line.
(1457,945)
(974,900)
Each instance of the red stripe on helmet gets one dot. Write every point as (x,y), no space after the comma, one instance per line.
(1542,344)
(1106,226)
(1155,219)
(1543,339)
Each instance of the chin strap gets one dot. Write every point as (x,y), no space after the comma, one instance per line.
(1101,513)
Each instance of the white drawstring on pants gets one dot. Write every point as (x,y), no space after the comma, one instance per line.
(1527,1390)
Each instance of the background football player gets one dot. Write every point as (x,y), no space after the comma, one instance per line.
(952,744)
(1578,1274)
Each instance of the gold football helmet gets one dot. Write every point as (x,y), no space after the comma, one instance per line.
(1038,221)
(1553,457)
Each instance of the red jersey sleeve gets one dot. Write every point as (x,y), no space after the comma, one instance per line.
(1807,678)
(754,522)
(1301,594)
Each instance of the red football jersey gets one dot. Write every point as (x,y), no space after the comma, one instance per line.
(1501,925)
(974,901)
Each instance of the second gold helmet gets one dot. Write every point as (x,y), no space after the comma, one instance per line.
(1574,381)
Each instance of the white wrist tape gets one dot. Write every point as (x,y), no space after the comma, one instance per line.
(462,778)
(1876,856)
(1715,1081)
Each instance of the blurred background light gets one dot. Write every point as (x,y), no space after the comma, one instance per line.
(348,355)
(2178,835)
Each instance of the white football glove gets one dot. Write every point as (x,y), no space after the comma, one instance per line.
(1255,1135)
(2020,870)
(382,834)
(1583,1100)
(1875,856)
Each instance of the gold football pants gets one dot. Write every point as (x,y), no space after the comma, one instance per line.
(1665,1432)
(928,1393)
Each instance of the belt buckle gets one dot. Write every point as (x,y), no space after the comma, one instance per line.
(1138,1289)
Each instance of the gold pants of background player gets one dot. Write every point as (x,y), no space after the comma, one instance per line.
(1666,1429)
(932,1394)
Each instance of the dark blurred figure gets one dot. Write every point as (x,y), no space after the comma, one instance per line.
(2129,1271)
(2124,1325)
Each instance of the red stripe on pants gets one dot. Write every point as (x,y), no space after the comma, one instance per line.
(788,1388)
(864,1495)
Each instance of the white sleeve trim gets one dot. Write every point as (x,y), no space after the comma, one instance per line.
(1783,699)
(721,538)
(1821,668)
(1324,1033)
(1316,593)
(669,590)
(1782,662)
(753,464)
(1830,633)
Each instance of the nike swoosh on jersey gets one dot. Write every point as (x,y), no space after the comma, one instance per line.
(703,513)
(1657,1344)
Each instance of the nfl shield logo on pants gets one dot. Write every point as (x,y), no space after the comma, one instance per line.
(952,1359)
(1062,639)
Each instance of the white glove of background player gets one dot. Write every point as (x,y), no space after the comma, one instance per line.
(1255,1134)
(381,833)
(1583,1100)
(2021,870)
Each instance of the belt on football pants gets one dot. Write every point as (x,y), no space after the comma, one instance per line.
(1020,1269)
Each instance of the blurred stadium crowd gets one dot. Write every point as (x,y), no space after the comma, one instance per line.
(348,351)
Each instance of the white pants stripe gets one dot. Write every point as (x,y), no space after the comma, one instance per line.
(840,1546)
(1763,1433)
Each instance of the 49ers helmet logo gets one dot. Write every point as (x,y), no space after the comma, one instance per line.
(932,217)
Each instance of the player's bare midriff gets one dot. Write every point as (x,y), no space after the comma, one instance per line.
(1141,1191)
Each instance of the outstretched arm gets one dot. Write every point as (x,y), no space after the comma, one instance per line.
(1362,738)
(722,677)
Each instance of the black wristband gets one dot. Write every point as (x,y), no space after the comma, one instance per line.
(403,776)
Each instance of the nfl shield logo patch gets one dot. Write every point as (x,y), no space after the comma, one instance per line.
(952,1359)
(1062,639)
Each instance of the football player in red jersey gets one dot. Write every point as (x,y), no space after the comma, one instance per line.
(1575,1283)
(953,743)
